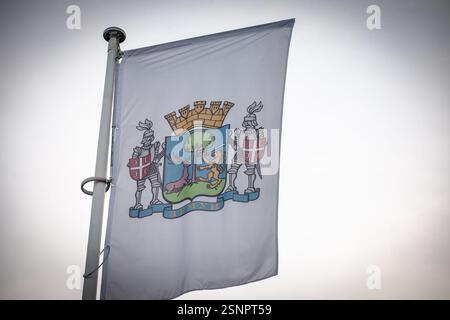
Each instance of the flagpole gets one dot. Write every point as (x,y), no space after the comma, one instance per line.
(113,36)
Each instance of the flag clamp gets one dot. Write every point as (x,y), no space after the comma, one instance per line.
(105,256)
(95,179)
(120,54)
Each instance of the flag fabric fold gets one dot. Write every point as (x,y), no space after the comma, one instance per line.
(195,156)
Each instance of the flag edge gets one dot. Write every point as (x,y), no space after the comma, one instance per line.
(184,42)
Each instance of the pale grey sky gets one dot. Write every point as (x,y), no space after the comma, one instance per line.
(365,175)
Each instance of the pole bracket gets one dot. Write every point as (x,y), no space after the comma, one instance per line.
(105,256)
(120,54)
(95,179)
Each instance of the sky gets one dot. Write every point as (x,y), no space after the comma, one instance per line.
(364,171)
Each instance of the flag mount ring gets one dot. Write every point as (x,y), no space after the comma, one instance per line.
(105,256)
(97,179)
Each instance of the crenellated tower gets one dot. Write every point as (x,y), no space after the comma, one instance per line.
(200,115)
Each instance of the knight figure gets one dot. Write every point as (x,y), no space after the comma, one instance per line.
(248,142)
(148,150)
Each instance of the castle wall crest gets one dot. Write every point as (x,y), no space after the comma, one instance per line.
(212,117)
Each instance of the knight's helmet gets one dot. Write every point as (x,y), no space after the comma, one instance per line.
(149,134)
(250,119)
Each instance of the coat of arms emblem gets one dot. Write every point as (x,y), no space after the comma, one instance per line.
(196,162)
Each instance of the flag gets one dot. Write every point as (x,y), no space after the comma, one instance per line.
(195,153)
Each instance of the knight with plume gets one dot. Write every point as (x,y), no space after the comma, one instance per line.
(248,142)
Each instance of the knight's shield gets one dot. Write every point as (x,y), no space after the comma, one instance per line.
(140,167)
(194,164)
(251,146)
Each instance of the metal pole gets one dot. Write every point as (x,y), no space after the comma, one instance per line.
(114,36)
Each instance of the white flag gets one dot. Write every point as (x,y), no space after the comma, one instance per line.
(195,164)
